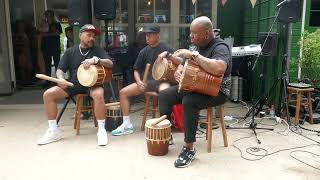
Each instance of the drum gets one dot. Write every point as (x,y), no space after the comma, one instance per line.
(93,76)
(113,110)
(158,136)
(195,79)
(163,70)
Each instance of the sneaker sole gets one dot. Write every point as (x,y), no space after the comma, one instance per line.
(54,140)
(123,133)
(186,164)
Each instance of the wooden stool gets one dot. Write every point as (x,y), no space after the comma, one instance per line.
(147,109)
(209,127)
(80,108)
(300,91)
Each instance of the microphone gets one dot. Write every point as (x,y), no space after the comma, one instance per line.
(282,2)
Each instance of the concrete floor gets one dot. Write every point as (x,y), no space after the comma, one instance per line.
(78,157)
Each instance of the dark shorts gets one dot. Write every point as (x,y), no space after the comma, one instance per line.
(152,85)
(77,89)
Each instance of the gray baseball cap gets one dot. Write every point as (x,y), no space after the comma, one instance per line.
(151,29)
(91,28)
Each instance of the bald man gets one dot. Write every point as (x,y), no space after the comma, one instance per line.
(214,56)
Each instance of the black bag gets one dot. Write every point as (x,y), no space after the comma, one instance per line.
(112,123)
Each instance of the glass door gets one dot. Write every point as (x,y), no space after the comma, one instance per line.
(5,76)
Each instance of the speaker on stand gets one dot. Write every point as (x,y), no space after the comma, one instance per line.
(79,12)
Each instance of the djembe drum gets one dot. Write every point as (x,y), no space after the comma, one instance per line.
(157,134)
(93,76)
(195,79)
(163,70)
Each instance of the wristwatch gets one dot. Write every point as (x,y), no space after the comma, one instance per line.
(96,59)
(195,54)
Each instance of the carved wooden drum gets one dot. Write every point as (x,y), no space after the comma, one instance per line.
(195,79)
(157,134)
(163,70)
(93,76)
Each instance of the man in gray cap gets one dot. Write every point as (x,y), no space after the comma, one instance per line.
(147,55)
(87,54)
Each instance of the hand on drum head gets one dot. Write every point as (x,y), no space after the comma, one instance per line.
(183,53)
(86,63)
(142,86)
(178,73)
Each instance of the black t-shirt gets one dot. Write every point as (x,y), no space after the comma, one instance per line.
(219,50)
(149,55)
(51,44)
(72,59)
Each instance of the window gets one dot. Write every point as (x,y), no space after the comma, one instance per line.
(122,11)
(188,10)
(315,13)
(153,11)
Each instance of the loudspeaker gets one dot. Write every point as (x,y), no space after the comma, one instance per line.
(290,11)
(105,9)
(79,11)
(270,46)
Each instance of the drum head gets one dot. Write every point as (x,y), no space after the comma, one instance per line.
(87,77)
(163,124)
(159,68)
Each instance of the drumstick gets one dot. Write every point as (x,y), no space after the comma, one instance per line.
(158,120)
(45,77)
(112,104)
(146,72)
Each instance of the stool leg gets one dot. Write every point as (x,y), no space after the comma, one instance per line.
(80,102)
(209,128)
(223,127)
(298,108)
(77,113)
(146,110)
(310,108)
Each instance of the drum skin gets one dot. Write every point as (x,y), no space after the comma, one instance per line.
(163,70)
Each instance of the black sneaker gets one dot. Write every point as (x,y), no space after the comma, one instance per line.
(185,157)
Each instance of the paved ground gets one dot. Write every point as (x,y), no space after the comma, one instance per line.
(78,157)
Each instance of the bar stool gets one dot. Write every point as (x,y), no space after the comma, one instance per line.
(209,127)
(81,108)
(299,92)
(154,109)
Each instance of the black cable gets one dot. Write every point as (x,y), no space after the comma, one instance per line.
(291,154)
(311,130)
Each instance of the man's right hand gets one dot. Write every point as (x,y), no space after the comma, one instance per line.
(62,83)
(178,73)
(141,86)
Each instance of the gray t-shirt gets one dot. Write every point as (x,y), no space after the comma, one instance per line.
(72,59)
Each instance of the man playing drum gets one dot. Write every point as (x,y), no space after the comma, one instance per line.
(212,55)
(87,54)
(147,55)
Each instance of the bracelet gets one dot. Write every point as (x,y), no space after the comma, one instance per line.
(168,55)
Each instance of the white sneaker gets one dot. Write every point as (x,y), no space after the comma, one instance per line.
(102,137)
(49,137)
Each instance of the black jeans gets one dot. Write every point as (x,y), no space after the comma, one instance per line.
(192,103)
(48,59)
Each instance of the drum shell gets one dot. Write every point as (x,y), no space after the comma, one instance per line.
(163,70)
(157,139)
(195,79)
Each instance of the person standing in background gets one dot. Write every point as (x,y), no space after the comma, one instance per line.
(50,43)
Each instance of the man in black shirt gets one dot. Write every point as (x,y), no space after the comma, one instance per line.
(50,44)
(87,54)
(212,55)
(147,55)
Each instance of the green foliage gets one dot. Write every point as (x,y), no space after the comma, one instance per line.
(310,62)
